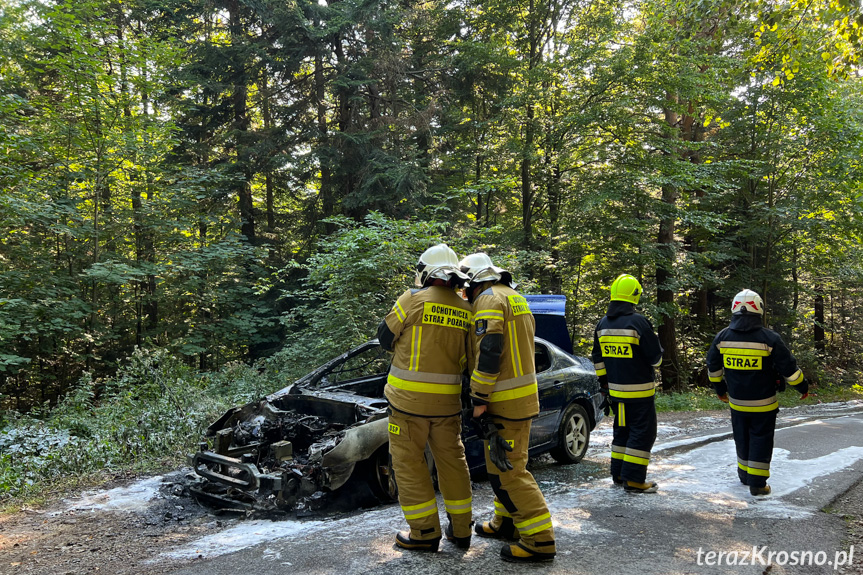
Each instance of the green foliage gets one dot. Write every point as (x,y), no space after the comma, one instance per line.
(28,449)
(351,284)
(225,182)
(695,400)
(153,412)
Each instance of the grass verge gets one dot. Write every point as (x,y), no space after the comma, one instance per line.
(703,399)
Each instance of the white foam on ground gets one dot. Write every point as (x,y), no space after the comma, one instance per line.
(667,431)
(134,497)
(853,404)
(703,480)
(576,520)
(254,532)
(243,534)
(666,445)
(713,468)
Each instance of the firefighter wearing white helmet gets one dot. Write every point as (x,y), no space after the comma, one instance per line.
(747,364)
(504,395)
(427,331)
(625,352)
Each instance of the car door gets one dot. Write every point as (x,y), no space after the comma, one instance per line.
(552,397)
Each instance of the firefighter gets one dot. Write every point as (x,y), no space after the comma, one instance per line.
(427,330)
(505,399)
(743,363)
(625,353)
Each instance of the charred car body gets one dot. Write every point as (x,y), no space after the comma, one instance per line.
(293,447)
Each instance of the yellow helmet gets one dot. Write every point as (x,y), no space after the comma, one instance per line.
(626,288)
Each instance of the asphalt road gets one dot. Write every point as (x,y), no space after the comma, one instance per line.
(700,511)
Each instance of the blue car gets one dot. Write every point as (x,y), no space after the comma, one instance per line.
(291,448)
(569,403)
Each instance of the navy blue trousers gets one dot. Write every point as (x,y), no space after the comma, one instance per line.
(753,437)
(634,436)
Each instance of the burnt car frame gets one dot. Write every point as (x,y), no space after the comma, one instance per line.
(292,448)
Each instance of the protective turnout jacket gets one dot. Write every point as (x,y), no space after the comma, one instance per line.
(427,330)
(503,374)
(745,360)
(625,351)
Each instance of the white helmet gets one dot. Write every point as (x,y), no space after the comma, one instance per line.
(749,301)
(438,262)
(479,268)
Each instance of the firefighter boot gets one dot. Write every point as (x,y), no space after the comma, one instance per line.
(765,490)
(460,542)
(405,541)
(517,553)
(635,487)
(506,530)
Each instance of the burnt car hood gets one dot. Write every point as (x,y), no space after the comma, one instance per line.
(285,450)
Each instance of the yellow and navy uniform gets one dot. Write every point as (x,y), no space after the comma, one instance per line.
(625,352)
(744,362)
(503,378)
(427,329)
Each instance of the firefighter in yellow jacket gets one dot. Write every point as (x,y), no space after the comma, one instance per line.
(427,331)
(505,398)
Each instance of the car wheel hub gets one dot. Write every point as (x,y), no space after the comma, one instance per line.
(575,434)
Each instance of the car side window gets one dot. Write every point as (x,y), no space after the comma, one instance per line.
(370,362)
(542,358)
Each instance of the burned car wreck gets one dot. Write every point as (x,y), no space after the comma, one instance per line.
(295,449)
(293,446)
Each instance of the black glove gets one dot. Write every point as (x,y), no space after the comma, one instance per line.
(605,406)
(497,445)
(803,387)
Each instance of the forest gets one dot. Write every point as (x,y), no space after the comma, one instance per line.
(244,186)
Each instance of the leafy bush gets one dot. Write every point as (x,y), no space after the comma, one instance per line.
(698,399)
(352,283)
(153,412)
(30,451)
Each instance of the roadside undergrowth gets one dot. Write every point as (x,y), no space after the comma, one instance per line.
(147,418)
(704,399)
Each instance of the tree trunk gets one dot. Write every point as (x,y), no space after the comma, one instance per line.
(670,369)
(241,127)
(268,123)
(527,191)
(480,204)
(555,281)
(818,335)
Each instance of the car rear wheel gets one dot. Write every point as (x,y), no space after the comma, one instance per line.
(380,475)
(573,435)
